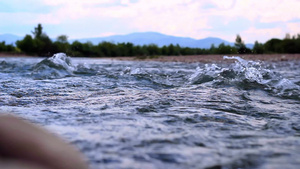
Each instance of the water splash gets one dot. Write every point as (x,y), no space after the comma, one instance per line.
(206,74)
(246,75)
(57,66)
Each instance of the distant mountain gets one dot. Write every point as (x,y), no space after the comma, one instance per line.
(249,45)
(143,38)
(9,38)
(146,38)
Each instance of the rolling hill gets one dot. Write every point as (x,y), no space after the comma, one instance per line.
(142,38)
(146,38)
(9,38)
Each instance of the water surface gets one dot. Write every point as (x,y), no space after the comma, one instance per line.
(124,114)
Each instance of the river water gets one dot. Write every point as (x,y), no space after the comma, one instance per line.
(135,114)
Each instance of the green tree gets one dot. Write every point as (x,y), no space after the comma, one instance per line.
(212,49)
(174,50)
(171,49)
(40,45)
(2,46)
(7,48)
(141,51)
(62,39)
(273,46)
(298,43)
(38,31)
(165,50)
(123,49)
(76,48)
(108,49)
(61,45)
(225,49)
(187,51)
(258,48)
(88,49)
(240,45)
(27,45)
(44,45)
(289,46)
(153,49)
(130,49)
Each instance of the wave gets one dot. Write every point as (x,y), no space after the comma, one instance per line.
(157,77)
(243,74)
(57,66)
(246,75)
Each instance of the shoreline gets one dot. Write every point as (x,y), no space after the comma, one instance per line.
(189,58)
(212,58)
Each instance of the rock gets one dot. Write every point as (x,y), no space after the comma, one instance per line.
(33,145)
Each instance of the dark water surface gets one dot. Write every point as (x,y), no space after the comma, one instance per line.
(125,114)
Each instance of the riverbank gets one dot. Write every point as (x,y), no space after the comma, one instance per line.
(192,58)
(213,58)
(9,54)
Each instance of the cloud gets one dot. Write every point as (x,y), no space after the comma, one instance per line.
(71,3)
(253,34)
(263,10)
(192,18)
(20,6)
(125,2)
(22,18)
(222,5)
(293,28)
(170,17)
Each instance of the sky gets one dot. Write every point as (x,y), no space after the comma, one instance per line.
(254,20)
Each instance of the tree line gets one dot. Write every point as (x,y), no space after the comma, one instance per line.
(41,45)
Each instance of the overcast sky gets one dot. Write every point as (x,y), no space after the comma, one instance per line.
(252,19)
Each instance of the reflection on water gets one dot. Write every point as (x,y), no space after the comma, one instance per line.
(162,115)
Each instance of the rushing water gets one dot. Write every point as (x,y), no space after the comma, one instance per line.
(122,114)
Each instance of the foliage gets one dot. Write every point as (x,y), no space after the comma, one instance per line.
(27,45)
(240,45)
(225,49)
(40,44)
(258,48)
(61,45)
(38,31)
(273,46)
(287,45)
(7,48)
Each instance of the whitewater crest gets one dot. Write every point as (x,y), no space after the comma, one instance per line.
(57,66)
(246,75)
(240,71)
